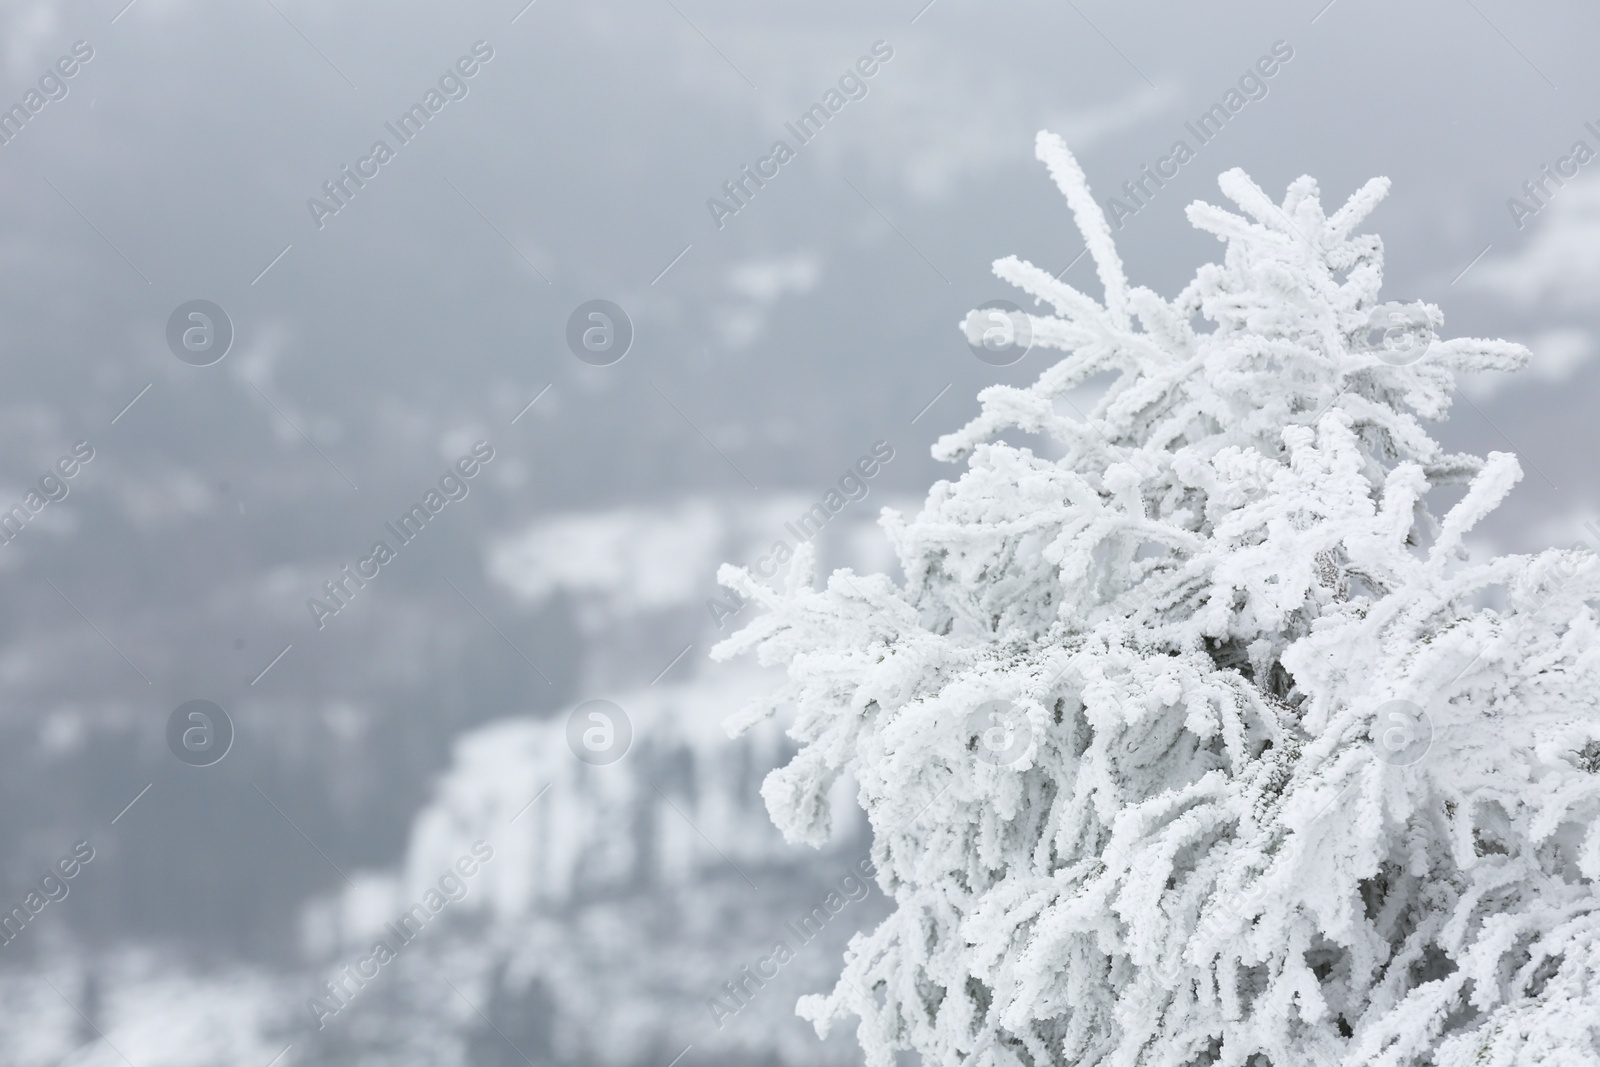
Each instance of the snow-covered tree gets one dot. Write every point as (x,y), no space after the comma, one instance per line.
(1192,736)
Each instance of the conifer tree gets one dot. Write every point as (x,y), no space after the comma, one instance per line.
(1192,734)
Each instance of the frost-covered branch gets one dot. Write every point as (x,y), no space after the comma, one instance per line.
(1192,741)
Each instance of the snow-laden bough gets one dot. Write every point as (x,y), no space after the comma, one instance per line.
(1282,777)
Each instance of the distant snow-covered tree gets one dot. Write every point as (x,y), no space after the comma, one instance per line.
(1195,737)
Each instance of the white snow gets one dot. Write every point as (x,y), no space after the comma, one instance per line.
(1288,793)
